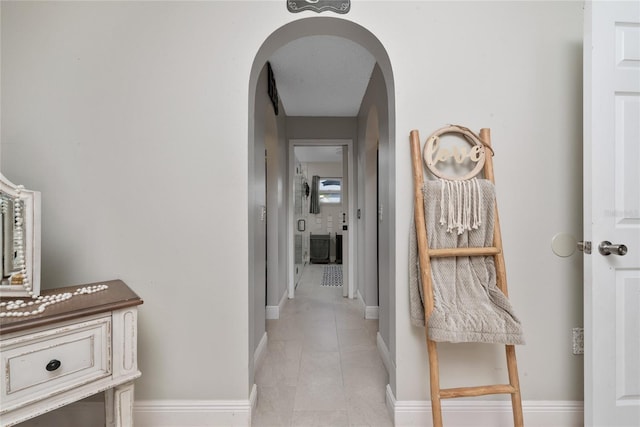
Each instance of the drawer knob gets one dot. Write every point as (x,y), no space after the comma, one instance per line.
(53,365)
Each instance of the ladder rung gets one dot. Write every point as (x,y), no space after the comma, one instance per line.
(450,393)
(453,252)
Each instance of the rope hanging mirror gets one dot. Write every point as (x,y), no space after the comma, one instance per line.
(454,157)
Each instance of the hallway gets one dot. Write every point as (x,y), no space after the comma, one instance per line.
(321,366)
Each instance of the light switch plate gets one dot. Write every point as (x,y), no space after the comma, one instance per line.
(578,341)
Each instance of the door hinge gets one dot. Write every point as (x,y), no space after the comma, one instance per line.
(584,246)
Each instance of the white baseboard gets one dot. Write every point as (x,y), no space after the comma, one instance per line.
(361,303)
(258,355)
(480,413)
(253,400)
(385,355)
(370,311)
(273,311)
(233,413)
(194,413)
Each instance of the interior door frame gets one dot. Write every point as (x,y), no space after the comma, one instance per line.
(350,259)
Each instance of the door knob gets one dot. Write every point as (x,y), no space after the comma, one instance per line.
(607,248)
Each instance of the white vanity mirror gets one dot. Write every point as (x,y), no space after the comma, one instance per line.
(20,240)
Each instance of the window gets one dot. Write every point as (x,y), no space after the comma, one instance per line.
(330,190)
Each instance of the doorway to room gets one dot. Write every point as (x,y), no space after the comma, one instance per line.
(321,208)
(291,122)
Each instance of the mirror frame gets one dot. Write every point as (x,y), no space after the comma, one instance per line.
(31,221)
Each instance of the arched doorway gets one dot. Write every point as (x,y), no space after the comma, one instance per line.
(277,280)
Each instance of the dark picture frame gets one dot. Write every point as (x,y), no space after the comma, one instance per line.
(272,89)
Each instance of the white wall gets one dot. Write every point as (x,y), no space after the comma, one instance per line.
(132,120)
(266,135)
(373,132)
(489,65)
(277,197)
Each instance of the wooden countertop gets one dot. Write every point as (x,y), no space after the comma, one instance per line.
(117,296)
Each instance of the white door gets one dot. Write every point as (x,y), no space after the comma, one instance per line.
(612,213)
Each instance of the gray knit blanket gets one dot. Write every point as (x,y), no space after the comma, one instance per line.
(468,305)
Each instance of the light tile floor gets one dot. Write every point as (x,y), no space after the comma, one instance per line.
(322,366)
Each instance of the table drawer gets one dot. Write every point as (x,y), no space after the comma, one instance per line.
(53,360)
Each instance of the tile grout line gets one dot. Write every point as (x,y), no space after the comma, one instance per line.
(344,392)
(314,300)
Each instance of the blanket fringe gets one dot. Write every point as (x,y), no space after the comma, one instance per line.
(462,212)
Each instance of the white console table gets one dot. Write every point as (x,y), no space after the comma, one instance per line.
(74,349)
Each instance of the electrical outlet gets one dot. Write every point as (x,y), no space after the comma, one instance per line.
(578,340)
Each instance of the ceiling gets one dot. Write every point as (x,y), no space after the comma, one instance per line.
(322,76)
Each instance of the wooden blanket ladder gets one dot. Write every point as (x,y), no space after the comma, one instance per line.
(425,255)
